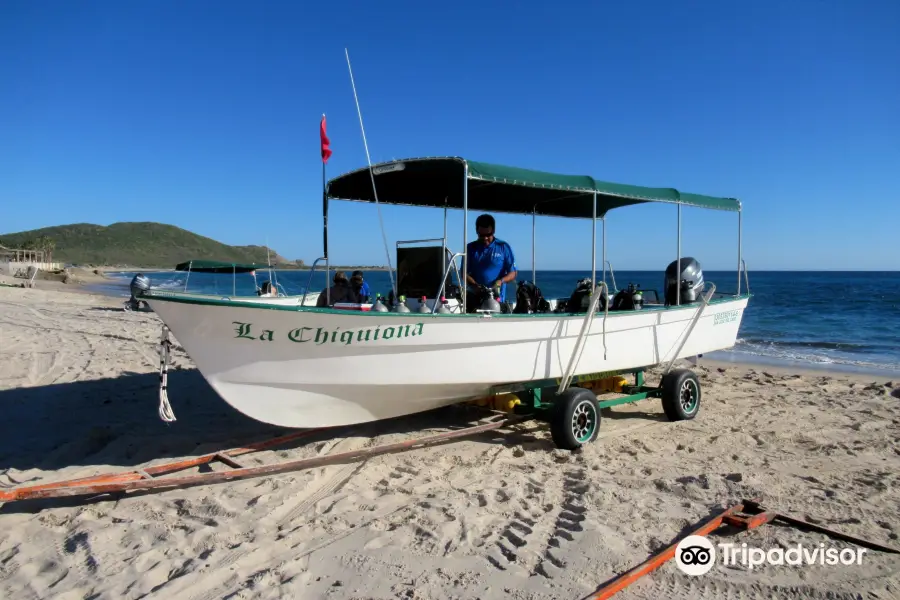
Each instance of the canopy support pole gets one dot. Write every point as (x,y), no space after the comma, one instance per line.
(678,266)
(443,250)
(533,245)
(465,281)
(739,254)
(594,243)
(603,219)
(188,276)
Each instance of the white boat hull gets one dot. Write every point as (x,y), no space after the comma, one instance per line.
(302,367)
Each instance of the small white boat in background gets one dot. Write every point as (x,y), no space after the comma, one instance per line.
(282,360)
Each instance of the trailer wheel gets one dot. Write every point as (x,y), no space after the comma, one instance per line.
(681,395)
(576,418)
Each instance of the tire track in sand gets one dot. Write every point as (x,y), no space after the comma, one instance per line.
(239,554)
(532,541)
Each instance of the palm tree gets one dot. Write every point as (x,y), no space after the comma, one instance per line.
(48,245)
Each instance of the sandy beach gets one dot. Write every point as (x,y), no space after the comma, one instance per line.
(499,515)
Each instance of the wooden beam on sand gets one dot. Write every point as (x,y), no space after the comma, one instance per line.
(27,492)
(147,479)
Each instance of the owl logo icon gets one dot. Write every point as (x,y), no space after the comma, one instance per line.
(695,555)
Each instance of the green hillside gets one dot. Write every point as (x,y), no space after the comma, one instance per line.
(133,244)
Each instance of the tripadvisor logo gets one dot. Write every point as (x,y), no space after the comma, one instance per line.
(696,555)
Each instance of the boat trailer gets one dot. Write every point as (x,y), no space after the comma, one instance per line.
(573,415)
(569,404)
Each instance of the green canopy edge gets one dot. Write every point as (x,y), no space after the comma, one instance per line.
(216,266)
(437,182)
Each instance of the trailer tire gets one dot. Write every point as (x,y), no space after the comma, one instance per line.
(576,419)
(681,395)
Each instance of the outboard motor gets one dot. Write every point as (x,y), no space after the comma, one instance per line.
(690,281)
(139,285)
(580,299)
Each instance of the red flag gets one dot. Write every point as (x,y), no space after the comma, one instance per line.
(326,143)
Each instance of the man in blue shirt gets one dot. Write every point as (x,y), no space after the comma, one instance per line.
(360,286)
(490,261)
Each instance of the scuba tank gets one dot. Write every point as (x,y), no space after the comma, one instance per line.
(490,302)
(401,306)
(629,299)
(637,296)
(586,300)
(423,306)
(442,309)
(378,305)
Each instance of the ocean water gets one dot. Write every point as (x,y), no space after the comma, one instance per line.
(836,320)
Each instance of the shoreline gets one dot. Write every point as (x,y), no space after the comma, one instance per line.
(802,369)
(98,287)
(805,368)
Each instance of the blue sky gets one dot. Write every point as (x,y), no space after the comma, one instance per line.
(205,115)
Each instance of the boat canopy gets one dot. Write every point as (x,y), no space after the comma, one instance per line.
(438,182)
(216,266)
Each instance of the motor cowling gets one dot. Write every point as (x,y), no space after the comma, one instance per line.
(690,281)
(139,285)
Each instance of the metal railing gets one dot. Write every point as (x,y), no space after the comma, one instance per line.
(309,281)
(440,291)
(612,275)
(746,277)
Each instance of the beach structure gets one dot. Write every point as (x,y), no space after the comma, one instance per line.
(16,261)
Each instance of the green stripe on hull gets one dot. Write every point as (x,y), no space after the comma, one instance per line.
(186,299)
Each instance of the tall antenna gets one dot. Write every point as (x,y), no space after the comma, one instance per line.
(372,175)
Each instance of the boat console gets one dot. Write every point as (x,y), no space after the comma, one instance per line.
(425,277)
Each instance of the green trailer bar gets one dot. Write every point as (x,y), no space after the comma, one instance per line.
(574,414)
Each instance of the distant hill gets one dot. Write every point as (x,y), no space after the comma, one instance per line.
(135,245)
